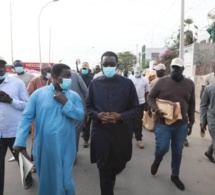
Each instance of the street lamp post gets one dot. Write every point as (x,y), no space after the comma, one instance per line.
(181,49)
(39,27)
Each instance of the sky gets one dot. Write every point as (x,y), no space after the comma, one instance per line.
(85,29)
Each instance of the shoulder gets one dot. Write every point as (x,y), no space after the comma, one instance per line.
(189,81)
(29,74)
(211,86)
(15,80)
(34,79)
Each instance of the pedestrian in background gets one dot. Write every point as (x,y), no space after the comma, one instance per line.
(142,88)
(79,87)
(20,72)
(13,99)
(207,115)
(87,77)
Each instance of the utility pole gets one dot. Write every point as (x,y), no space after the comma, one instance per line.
(11,31)
(181,49)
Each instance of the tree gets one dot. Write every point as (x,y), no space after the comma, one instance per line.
(126,60)
(190,35)
(166,57)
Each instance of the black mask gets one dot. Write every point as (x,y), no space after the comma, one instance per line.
(176,73)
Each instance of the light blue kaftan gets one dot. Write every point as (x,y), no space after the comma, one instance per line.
(54,147)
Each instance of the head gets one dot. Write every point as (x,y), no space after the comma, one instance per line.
(125,73)
(45,70)
(138,71)
(152,75)
(2,68)
(177,68)
(61,77)
(85,68)
(18,66)
(97,69)
(109,63)
(160,70)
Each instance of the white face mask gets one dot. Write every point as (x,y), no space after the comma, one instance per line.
(48,75)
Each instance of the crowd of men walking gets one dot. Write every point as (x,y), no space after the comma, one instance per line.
(106,108)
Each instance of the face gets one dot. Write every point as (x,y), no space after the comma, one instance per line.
(109,61)
(45,71)
(2,68)
(176,70)
(160,73)
(65,74)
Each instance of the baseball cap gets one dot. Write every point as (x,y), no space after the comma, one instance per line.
(177,62)
(85,65)
(160,67)
(3,60)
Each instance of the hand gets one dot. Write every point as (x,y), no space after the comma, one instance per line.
(17,149)
(146,106)
(5,98)
(105,117)
(203,129)
(116,116)
(150,113)
(189,129)
(159,113)
(60,97)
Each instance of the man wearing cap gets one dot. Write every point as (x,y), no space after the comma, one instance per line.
(87,77)
(42,80)
(160,72)
(20,72)
(13,99)
(142,88)
(175,88)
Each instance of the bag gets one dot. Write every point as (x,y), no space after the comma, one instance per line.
(172,110)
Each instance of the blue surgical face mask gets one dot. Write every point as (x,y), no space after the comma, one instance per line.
(84,71)
(19,69)
(2,77)
(66,84)
(137,74)
(109,72)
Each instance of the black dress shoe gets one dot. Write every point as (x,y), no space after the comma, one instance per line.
(210,157)
(177,182)
(154,168)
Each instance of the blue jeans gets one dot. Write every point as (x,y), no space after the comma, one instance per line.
(163,135)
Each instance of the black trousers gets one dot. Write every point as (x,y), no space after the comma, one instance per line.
(4,144)
(107,179)
(138,123)
(86,129)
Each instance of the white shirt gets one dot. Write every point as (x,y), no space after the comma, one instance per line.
(142,87)
(10,113)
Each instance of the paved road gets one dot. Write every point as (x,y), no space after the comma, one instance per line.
(197,172)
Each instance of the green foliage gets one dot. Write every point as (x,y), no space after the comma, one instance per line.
(126,60)
(166,57)
(190,35)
